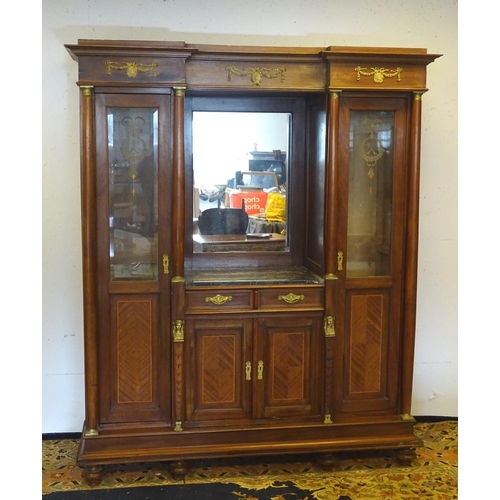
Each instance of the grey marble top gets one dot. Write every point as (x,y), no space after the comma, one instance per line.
(252,276)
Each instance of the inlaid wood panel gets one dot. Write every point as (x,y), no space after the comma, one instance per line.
(219,353)
(366,343)
(131,371)
(368,365)
(288,352)
(134,345)
(218,362)
(288,380)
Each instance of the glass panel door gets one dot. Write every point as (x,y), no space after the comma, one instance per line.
(133,193)
(371,165)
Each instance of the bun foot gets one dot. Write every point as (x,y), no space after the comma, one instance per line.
(406,456)
(328,461)
(178,470)
(93,475)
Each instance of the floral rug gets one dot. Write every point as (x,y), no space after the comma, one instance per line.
(355,476)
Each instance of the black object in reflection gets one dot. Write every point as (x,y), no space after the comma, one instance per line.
(223,221)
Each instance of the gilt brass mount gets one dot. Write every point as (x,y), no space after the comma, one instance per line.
(165,264)
(329,326)
(260,370)
(178,330)
(379,74)
(219,299)
(340,261)
(257,73)
(132,68)
(291,298)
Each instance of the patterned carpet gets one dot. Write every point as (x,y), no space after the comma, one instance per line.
(356,476)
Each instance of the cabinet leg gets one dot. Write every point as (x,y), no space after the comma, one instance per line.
(406,456)
(93,475)
(328,461)
(179,469)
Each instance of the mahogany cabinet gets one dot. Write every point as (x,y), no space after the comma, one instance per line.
(305,346)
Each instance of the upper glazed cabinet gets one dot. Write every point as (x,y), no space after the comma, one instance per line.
(249,220)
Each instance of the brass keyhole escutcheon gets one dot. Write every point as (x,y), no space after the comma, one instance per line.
(165,264)
(340,261)
(260,370)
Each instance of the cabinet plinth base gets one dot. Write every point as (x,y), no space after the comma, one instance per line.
(193,444)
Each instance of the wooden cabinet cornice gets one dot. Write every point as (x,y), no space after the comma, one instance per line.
(298,341)
(103,62)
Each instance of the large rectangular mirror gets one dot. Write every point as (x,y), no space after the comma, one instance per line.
(245,180)
(240,173)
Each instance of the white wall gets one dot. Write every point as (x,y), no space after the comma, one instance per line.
(432,24)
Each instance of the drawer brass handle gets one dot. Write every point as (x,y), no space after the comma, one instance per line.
(291,298)
(219,299)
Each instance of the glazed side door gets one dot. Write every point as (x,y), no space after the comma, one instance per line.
(372,163)
(133,155)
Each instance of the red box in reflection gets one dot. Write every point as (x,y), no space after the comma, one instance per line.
(255,201)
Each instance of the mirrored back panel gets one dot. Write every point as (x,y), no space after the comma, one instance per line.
(245,167)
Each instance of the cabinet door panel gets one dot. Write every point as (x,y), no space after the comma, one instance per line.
(134,359)
(366,368)
(217,382)
(288,382)
(133,164)
(372,209)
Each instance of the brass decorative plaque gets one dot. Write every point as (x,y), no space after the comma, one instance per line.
(257,73)
(379,74)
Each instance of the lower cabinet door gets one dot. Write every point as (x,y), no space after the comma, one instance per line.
(218,369)
(268,367)
(289,367)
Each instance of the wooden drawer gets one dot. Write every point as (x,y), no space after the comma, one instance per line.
(210,300)
(290,298)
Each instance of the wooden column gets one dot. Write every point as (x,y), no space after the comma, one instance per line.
(89,257)
(178,282)
(331,222)
(330,243)
(410,286)
(179,182)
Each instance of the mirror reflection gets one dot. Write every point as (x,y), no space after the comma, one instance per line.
(240,173)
